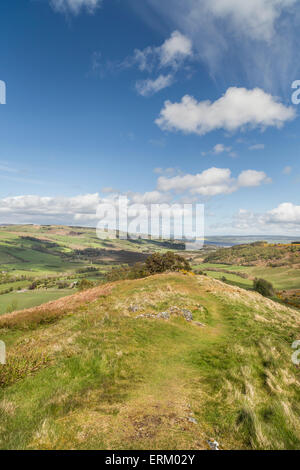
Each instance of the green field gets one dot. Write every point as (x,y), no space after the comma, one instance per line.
(19,301)
(55,254)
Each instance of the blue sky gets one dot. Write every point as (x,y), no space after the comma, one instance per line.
(162,101)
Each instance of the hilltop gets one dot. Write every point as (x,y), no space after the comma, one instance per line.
(166,362)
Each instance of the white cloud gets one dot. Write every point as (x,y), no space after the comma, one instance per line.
(283,219)
(151,197)
(220,148)
(236,109)
(257,147)
(149,87)
(33,208)
(175,49)
(250,178)
(284,213)
(171,53)
(212,182)
(75,6)
(287,170)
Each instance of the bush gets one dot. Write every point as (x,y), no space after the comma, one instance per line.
(264,287)
(85,284)
(155,264)
(159,263)
(34,285)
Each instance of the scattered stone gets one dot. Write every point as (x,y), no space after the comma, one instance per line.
(187,315)
(193,420)
(164,315)
(134,308)
(199,324)
(176,311)
(214,445)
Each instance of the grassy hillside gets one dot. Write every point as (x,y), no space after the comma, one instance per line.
(92,371)
(58,257)
(257,254)
(241,264)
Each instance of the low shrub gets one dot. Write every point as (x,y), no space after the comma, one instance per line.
(264,287)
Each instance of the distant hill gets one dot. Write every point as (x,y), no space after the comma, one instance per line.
(257,254)
(167,362)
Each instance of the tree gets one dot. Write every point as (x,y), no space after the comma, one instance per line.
(264,287)
(159,263)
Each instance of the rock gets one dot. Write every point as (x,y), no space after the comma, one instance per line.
(164,315)
(193,420)
(187,315)
(174,310)
(134,308)
(214,445)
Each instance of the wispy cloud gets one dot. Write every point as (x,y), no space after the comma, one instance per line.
(262,35)
(172,53)
(75,6)
(257,147)
(287,170)
(160,63)
(150,87)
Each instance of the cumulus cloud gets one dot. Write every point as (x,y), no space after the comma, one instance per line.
(149,87)
(250,178)
(284,213)
(285,218)
(212,182)
(236,109)
(75,6)
(175,49)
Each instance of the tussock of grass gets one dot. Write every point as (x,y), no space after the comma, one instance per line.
(110,381)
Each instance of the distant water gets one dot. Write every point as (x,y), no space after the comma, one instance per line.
(232,241)
(223,244)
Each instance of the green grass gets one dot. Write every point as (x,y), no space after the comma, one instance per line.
(97,378)
(15,301)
